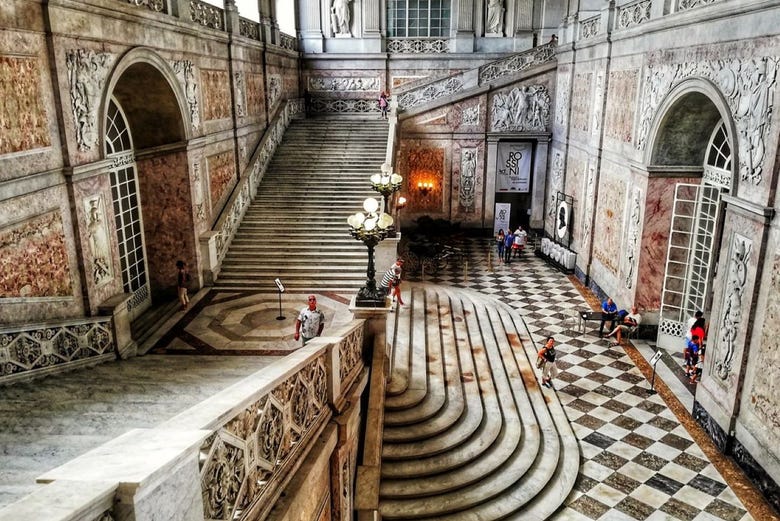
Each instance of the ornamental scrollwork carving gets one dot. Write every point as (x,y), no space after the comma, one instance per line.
(249,29)
(517,63)
(521,109)
(222,477)
(731,313)
(590,27)
(632,248)
(158,6)
(350,355)
(87,73)
(185,73)
(417,46)
(240,87)
(207,15)
(99,243)
(288,42)
(344,106)
(366,84)
(748,86)
(468,179)
(684,5)
(429,92)
(633,14)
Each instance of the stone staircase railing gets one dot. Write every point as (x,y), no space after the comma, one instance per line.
(214,244)
(492,72)
(229,457)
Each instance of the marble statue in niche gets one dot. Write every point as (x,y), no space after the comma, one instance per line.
(184,71)
(340,18)
(238,78)
(494,23)
(731,314)
(521,109)
(633,237)
(97,231)
(87,72)
(468,178)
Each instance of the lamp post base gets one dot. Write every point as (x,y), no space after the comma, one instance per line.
(370,298)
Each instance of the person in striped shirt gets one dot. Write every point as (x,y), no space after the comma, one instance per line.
(391,281)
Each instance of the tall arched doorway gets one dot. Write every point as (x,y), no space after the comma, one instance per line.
(692,137)
(127,210)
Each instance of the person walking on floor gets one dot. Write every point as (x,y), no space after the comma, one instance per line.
(310,322)
(182,283)
(500,238)
(546,361)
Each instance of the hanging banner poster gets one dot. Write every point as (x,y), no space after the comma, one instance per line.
(513,167)
(501,219)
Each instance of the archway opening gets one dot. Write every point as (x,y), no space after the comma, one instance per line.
(691,168)
(154,121)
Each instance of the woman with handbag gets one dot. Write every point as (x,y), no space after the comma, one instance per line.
(546,362)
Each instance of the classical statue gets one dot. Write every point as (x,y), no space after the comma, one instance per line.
(339,18)
(495,17)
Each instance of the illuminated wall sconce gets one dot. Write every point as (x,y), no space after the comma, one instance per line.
(425,188)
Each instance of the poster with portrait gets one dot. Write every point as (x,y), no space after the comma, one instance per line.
(501,219)
(564,208)
(513,167)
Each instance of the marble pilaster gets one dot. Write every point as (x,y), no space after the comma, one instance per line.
(116,307)
(464,36)
(312,38)
(540,181)
(372,32)
(490,182)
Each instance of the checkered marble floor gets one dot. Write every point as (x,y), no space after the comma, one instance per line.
(638,460)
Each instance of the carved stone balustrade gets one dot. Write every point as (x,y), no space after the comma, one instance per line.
(633,14)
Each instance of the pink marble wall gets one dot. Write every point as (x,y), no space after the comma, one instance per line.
(169,229)
(222,177)
(621,102)
(255,94)
(34,258)
(23,118)
(609,222)
(581,99)
(216,94)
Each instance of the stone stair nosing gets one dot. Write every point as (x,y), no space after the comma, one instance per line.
(484,414)
(444,404)
(400,361)
(418,382)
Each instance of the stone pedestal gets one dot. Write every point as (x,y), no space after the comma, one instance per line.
(208,257)
(116,308)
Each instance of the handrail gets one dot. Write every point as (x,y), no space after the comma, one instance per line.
(239,448)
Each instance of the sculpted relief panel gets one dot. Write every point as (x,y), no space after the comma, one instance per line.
(731,318)
(341,84)
(748,86)
(621,100)
(34,258)
(23,119)
(185,73)
(216,94)
(562,103)
(766,385)
(87,73)
(581,97)
(555,185)
(99,243)
(521,109)
(467,180)
(221,174)
(632,245)
(609,214)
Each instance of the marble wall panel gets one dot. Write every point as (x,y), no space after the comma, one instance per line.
(222,178)
(216,94)
(555,184)
(255,94)
(23,118)
(102,278)
(581,101)
(563,85)
(576,169)
(609,222)
(34,258)
(167,209)
(468,181)
(621,105)
(423,161)
(469,115)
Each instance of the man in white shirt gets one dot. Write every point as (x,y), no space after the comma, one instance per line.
(310,321)
(629,325)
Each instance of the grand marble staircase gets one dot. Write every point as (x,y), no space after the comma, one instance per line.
(296,229)
(469,433)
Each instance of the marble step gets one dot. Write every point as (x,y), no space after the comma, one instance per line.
(523,445)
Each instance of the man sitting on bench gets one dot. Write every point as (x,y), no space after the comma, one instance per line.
(629,325)
(608,313)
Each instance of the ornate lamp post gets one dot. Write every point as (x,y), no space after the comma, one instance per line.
(386,184)
(370,227)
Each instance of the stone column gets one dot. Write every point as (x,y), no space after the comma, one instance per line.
(464,36)
(523,25)
(312,39)
(490,182)
(116,307)
(540,182)
(372,33)
(232,25)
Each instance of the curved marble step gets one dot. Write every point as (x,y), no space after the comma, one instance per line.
(526,470)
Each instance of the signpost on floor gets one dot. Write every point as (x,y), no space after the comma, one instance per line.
(281,290)
(653,361)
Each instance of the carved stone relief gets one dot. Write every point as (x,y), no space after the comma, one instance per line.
(748,86)
(596,126)
(274,89)
(581,98)
(35,256)
(363,84)
(238,79)
(621,101)
(197,181)
(100,246)
(429,92)
(23,118)
(587,208)
(562,105)
(556,185)
(632,246)
(470,115)
(221,170)
(684,5)
(468,179)
(731,311)
(766,384)
(609,220)
(521,109)
(185,73)
(87,73)
(216,94)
